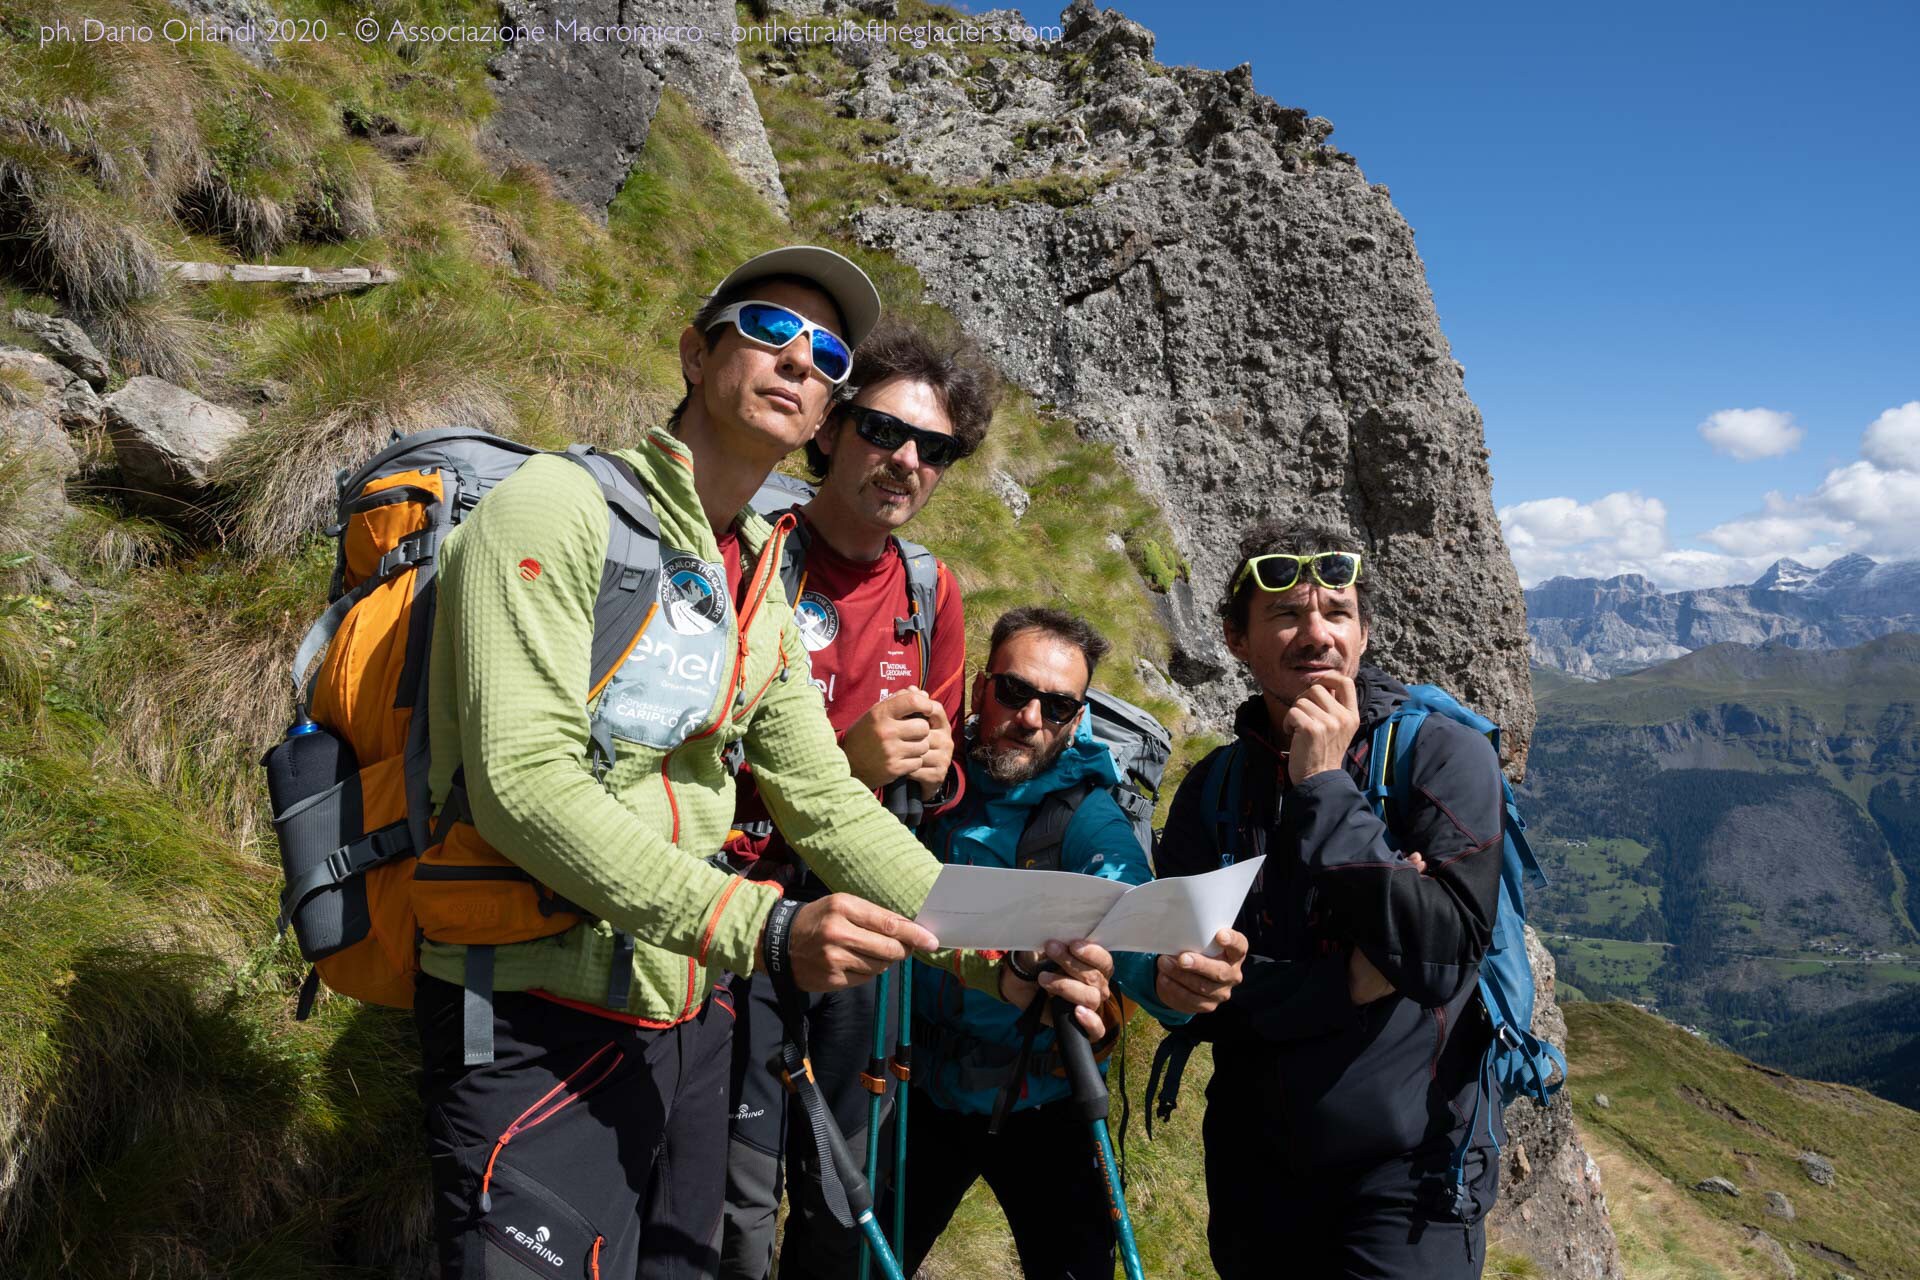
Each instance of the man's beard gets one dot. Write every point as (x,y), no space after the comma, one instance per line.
(1004,767)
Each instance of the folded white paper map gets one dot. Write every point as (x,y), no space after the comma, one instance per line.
(1004,908)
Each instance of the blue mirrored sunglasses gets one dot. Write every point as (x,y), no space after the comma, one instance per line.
(772,325)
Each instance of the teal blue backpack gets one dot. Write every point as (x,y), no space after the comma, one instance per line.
(1516,1062)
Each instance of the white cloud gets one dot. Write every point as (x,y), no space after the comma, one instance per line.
(1807,536)
(1615,534)
(1748,435)
(1893,441)
(1870,505)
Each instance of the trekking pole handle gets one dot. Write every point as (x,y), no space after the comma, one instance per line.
(859,1194)
(902,795)
(1083,1073)
(902,799)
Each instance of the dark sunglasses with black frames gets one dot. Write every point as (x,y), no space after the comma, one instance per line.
(884,431)
(1013,693)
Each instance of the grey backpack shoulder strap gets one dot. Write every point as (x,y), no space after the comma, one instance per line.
(923,596)
(631,574)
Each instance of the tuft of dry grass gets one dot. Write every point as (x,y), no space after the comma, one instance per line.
(155,333)
(64,236)
(192,669)
(358,372)
(116,544)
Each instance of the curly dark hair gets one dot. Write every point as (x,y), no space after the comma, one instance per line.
(1071,627)
(1289,537)
(703,320)
(959,374)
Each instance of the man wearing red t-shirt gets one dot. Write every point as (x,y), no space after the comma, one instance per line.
(919,406)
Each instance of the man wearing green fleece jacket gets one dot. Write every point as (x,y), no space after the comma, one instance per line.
(594,1138)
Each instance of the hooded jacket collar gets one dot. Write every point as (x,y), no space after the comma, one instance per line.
(666,467)
(1379,695)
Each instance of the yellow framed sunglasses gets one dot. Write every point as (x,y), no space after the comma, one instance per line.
(1278,571)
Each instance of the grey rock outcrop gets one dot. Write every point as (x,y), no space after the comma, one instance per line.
(582,107)
(1779,1206)
(707,74)
(1011,494)
(1601,627)
(579,108)
(68,342)
(241,25)
(1235,309)
(65,395)
(1717,1186)
(854,9)
(166,440)
(40,403)
(1774,1252)
(1817,1167)
(1552,1206)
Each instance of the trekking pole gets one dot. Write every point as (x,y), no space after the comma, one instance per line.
(873,1241)
(874,1079)
(847,1195)
(902,1068)
(1090,1096)
(902,799)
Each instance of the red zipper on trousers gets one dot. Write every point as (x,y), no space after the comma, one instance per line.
(528,1119)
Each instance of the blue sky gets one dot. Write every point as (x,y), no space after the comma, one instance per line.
(1635,217)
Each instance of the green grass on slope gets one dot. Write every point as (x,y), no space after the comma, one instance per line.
(1687,1110)
(159,1112)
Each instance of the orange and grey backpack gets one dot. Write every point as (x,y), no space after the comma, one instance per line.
(369,869)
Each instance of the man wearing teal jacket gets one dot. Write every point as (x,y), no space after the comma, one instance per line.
(575,1086)
(1031,739)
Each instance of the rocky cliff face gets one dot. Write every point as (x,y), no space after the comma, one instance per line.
(1236,309)
(1599,627)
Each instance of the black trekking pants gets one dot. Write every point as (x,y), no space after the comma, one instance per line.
(1385,1221)
(764,1128)
(586,1147)
(1042,1169)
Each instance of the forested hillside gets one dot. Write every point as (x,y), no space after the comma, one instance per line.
(1732,836)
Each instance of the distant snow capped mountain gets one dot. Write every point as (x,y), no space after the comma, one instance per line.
(1599,627)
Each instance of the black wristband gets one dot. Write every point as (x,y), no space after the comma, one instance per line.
(1019,971)
(778,938)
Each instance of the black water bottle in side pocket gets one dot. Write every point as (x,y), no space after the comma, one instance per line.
(312,777)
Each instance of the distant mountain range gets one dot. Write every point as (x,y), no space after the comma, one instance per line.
(1594,628)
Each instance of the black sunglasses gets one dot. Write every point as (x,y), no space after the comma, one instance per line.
(1013,693)
(884,431)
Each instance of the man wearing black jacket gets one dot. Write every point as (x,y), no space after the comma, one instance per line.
(1346,1065)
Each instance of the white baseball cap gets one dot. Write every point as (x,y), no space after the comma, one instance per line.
(837,276)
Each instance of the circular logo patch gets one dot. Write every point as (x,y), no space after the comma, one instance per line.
(818,620)
(692,595)
(529,569)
